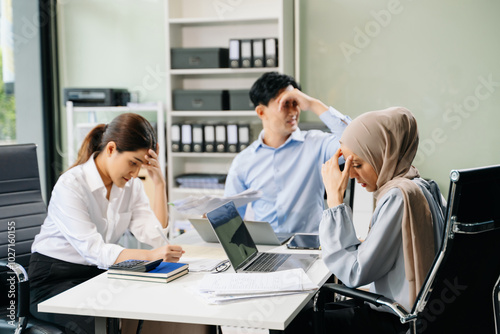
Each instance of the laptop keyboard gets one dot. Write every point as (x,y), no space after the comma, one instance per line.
(267,262)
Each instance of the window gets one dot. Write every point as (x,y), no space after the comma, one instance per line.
(7,99)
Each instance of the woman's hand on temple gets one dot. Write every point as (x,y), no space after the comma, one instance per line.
(335,180)
(153,166)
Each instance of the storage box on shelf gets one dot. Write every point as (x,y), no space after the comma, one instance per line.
(206,28)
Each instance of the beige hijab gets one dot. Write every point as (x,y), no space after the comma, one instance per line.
(388,141)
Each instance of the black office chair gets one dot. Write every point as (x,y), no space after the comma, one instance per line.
(22,212)
(461,292)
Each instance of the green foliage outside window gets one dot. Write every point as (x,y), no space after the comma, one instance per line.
(7,112)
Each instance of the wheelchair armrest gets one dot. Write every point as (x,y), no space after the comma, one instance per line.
(371,298)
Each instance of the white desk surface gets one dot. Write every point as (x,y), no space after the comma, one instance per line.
(176,302)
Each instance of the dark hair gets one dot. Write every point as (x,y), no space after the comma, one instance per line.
(129,131)
(268,87)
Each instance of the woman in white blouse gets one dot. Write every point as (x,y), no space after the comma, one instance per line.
(405,228)
(92,204)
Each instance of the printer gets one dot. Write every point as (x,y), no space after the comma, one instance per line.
(97,97)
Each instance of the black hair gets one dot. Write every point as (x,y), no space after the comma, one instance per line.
(130,132)
(268,87)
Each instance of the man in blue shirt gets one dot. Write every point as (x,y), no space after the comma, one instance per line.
(285,162)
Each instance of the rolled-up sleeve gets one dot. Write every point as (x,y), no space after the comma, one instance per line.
(335,121)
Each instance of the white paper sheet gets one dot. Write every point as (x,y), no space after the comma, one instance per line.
(201,205)
(257,283)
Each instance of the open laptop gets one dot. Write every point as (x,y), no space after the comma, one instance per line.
(240,247)
(262,233)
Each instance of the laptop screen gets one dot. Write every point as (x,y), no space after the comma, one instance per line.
(232,233)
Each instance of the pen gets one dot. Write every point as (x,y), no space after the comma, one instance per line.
(162,235)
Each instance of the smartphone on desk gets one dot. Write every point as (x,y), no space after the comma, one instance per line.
(304,241)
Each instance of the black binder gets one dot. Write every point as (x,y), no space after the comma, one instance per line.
(243,136)
(258,52)
(234,53)
(197,138)
(209,138)
(246,53)
(175,136)
(186,138)
(220,137)
(232,138)
(271,50)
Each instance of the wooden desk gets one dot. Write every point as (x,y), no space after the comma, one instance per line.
(176,301)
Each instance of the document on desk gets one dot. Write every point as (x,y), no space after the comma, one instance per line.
(201,205)
(204,264)
(219,288)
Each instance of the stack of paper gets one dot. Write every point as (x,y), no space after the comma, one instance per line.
(219,288)
(201,205)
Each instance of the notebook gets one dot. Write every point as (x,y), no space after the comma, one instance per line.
(261,232)
(240,247)
(164,273)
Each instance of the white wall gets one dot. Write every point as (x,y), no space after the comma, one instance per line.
(433,57)
(440,59)
(113,43)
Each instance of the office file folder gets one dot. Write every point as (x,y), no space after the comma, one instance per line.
(197,138)
(232,138)
(220,138)
(258,52)
(271,51)
(175,135)
(209,138)
(246,53)
(234,53)
(186,138)
(243,136)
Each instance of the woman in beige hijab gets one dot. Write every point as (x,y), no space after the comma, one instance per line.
(405,228)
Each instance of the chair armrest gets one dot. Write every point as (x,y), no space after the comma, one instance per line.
(371,298)
(19,271)
(22,292)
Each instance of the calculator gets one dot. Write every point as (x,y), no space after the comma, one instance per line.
(136,265)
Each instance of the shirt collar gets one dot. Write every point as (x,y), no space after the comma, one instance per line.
(297,135)
(92,175)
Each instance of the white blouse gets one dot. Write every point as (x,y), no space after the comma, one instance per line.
(83,227)
(379,259)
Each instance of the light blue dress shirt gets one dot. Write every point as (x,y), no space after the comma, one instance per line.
(288,176)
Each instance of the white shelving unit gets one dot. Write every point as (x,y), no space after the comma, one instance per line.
(201,23)
(96,115)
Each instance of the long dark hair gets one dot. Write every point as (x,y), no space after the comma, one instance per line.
(129,131)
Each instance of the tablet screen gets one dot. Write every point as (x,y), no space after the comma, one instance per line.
(304,241)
